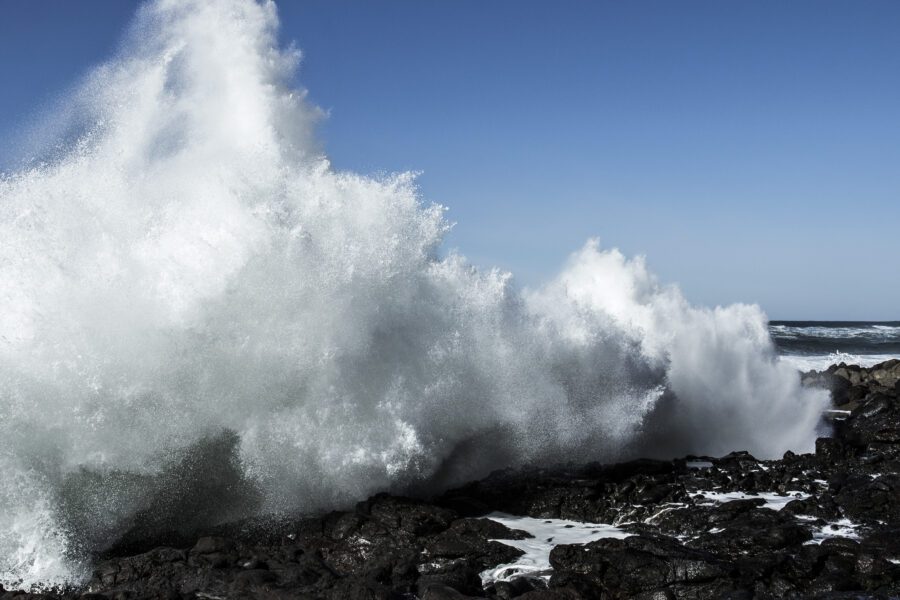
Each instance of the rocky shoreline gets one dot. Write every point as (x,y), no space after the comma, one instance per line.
(822,525)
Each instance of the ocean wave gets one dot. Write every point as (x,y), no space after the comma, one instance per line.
(205,321)
(874,332)
(820,362)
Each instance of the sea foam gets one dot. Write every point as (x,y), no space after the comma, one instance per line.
(202,320)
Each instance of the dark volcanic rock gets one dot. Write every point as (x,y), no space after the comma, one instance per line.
(638,564)
(701,527)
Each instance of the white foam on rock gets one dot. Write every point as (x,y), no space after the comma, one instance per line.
(548,533)
(773,500)
(663,509)
(843,528)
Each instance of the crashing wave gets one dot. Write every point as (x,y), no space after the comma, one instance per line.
(202,320)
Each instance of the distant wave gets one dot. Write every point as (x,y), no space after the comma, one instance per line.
(820,362)
(817,344)
(203,321)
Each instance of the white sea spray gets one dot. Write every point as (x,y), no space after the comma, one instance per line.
(197,306)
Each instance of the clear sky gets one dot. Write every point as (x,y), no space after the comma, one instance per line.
(751,150)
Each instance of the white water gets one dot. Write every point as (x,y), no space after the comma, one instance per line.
(820,362)
(842,528)
(546,535)
(773,500)
(184,263)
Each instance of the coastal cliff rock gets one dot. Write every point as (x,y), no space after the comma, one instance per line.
(849,384)
(822,525)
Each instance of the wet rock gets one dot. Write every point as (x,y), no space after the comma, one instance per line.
(861,497)
(517,588)
(443,592)
(638,564)
(212,545)
(472,540)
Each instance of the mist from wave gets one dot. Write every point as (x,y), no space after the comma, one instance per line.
(204,321)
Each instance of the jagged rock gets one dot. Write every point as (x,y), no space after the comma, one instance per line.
(638,564)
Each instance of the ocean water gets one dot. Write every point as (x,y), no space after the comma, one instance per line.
(202,320)
(809,345)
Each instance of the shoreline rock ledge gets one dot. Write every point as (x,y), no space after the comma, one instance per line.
(822,525)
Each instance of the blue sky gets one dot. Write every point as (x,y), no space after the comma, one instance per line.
(750,150)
